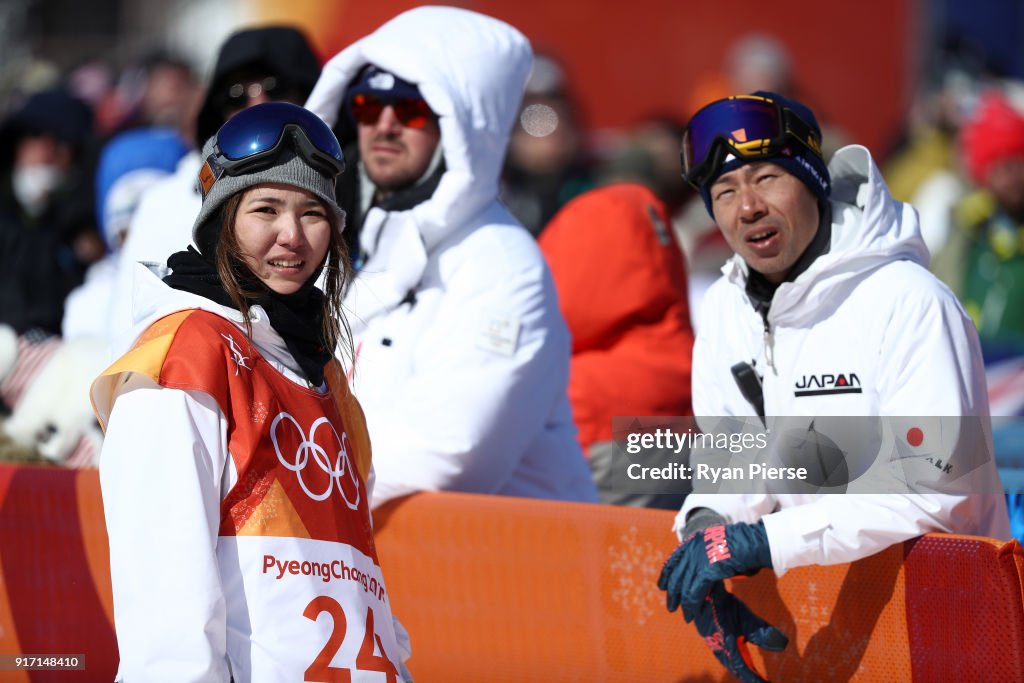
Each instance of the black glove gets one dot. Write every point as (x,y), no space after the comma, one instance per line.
(704,559)
(727,624)
(699,519)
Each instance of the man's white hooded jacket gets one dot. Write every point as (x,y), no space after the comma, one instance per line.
(866,330)
(461,354)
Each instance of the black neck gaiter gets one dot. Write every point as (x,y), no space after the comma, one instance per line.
(297,317)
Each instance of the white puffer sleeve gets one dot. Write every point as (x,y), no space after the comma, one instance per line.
(161,471)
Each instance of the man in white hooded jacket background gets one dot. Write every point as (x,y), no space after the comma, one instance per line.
(826,311)
(461,355)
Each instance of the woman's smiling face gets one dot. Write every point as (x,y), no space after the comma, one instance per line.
(283,233)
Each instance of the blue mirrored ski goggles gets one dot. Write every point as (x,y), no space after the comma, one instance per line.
(748,127)
(254,138)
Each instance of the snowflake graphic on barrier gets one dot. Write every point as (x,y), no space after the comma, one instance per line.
(839,655)
(841,660)
(811,613)
(636,566)
(830,649)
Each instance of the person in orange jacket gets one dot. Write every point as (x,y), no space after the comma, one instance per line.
(621,283)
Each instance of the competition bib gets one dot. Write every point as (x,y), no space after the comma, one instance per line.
(304,593)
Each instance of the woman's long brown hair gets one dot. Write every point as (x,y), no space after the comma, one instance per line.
(335,332)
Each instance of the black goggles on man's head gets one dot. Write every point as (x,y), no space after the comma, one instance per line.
(749,127)
(254,138)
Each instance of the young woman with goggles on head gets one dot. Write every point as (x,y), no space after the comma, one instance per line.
(236,463)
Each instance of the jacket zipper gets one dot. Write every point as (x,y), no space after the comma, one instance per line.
(769,354)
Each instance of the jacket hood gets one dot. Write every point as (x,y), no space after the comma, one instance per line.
(869,230)
(55,111)
(152,300)
(471,69)
(283,51)
(129,164)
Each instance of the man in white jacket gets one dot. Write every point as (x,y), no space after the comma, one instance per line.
(461,355)
(826,311)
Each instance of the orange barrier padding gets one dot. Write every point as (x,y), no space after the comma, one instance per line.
(847,622)
(8,635)
(56,571)
(504,589)
(507,589)
(964,611)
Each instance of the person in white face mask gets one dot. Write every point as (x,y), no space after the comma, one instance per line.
(48,235)
(34,180)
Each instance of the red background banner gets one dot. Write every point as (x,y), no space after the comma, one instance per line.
(853,64)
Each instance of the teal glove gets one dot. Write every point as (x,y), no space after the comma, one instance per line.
(727,625)
(709,556)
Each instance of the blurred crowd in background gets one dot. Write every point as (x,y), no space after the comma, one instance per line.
(79,146)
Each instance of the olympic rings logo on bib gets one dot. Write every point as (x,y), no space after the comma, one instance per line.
(309,450)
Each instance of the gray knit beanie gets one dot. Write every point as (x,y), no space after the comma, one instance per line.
(290,169)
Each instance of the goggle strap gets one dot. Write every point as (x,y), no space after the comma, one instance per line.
(210,173)
(310,152)
(800,130)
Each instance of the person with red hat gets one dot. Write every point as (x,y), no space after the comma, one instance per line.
(984,259)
